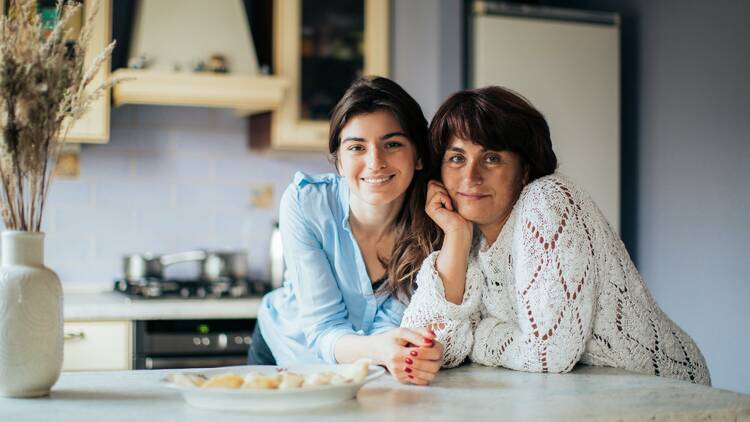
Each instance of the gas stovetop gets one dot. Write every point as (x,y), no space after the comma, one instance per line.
(159,288)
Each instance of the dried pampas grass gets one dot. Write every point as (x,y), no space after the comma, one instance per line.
(44,89)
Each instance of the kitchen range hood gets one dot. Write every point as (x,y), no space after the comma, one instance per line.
(172,36)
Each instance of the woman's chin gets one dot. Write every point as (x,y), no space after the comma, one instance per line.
(475,218)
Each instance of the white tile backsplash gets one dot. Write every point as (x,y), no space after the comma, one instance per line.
(170,179)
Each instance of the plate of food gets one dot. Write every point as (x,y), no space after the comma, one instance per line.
(271,388)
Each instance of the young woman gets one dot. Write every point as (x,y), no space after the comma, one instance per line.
(345,239)
(543,282)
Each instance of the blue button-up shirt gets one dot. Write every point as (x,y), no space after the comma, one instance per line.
(327,292)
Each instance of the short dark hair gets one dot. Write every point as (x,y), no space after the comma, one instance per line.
(497,119)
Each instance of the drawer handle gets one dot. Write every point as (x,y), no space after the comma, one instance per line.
(78,335)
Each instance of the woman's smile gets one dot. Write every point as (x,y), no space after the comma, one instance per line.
(378,180)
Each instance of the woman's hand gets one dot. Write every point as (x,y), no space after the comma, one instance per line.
(440,209)
(411,355)
(453,259)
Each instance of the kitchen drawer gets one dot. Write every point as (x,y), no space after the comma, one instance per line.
(97,346)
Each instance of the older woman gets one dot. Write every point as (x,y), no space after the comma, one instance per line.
(530,275)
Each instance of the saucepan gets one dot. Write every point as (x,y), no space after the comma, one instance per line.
(215,265)
(140,266)
(218,265)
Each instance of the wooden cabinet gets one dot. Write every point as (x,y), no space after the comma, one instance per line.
(97,346)
(93,127)
(320,47)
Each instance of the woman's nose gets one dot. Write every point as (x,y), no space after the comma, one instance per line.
(375,159)
(473,174)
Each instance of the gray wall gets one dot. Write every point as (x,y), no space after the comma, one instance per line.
(685,151)
(426,49)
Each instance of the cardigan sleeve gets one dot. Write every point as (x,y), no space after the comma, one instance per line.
(553,286)
(452,323)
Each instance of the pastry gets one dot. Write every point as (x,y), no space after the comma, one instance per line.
(261,381)
(290,380)
(223,381)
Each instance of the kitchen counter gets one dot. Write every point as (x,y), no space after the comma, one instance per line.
(467,393)
(113,306)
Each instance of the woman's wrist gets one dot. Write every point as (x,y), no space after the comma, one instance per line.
(457,241)
(377,349)
(451,265)
(352,347)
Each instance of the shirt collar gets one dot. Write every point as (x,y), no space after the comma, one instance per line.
(344,201)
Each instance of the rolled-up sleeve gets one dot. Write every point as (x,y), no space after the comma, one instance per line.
(322,312)
(388,315)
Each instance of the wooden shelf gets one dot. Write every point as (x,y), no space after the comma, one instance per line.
(249,94)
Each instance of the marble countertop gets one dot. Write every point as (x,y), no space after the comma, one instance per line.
(113,306)
(466,393)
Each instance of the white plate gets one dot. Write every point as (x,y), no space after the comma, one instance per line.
(272,400)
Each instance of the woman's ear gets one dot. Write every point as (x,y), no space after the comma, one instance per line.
(419,165)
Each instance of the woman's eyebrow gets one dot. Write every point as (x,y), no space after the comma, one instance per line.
(352,139)
(393,135)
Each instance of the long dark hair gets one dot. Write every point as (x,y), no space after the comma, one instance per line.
(366,95)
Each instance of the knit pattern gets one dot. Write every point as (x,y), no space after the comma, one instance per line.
(556,288)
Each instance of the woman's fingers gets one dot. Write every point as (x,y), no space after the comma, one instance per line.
(420,377)
(421,372)
(416,336)
(433,352)
(443,200)
(440,208)
(414,371)
(435,189)
(431,366)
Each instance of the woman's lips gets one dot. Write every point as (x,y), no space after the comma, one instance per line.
(472,196)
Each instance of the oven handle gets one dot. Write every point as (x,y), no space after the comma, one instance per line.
(193,362)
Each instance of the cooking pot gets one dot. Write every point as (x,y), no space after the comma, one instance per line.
(215,265)
(218,265)
(137,267)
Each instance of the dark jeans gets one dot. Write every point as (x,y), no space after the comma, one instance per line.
(259,353)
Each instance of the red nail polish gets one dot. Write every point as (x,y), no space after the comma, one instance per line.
(413,353)
(411,376)
(407,370)
(428,341)
(432,333)
(409,361)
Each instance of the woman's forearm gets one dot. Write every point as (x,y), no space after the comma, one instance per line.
(350,347)
(452,263)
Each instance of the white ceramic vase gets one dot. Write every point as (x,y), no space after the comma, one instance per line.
(31,317)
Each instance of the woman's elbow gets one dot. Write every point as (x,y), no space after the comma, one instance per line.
(561,364)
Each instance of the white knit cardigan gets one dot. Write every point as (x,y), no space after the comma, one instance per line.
(556,288)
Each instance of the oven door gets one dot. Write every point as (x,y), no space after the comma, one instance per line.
(164,344)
